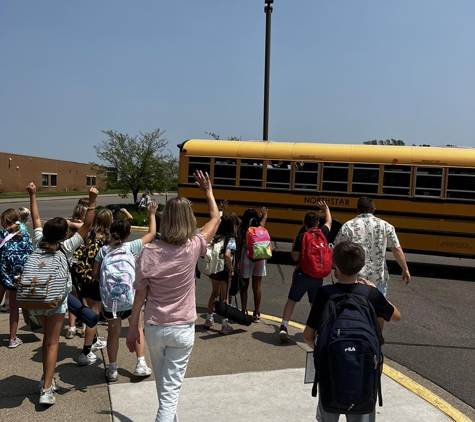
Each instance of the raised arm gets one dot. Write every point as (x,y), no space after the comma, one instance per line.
(328,217)
(35,215)
(91,207)
(203,182)
(152,225)
(264,212)
(127,214)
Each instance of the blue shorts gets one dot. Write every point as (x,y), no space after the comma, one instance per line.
(383,288)
(303,283)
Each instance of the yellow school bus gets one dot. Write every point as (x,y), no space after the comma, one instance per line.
(427,193)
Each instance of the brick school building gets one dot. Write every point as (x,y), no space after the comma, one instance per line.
(49,175)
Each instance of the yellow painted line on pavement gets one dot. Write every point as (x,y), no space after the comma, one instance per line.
(425,394)
(401,379)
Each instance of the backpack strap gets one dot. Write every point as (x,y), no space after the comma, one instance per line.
(8,238)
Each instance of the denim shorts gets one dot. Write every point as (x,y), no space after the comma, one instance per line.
(303,283)
(60,309)
(383,288)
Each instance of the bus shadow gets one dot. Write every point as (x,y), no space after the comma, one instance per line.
(431,270)
(418,269)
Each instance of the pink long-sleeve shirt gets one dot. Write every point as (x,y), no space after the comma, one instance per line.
(168,272)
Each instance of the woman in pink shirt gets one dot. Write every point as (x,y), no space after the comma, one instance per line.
(165,277)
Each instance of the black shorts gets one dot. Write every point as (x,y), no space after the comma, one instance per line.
(90,291)
(120,314)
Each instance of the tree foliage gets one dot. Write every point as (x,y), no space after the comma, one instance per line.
(386,142)
(137,163)
(217,138)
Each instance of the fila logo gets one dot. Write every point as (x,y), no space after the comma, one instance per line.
(350,349)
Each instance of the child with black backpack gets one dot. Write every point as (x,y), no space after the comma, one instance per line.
(52,246)
(344,315)
(312,252)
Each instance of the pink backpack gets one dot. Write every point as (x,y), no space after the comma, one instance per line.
(258,245)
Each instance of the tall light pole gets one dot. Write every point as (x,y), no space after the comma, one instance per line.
(268,12)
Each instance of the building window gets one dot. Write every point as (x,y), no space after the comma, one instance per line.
(90,180)
(49,180)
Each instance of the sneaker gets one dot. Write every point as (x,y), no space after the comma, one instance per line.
(283,334)
(111,374)
(84,360)
(71,333)
(256,317)
(14,343)
(54,387)
(5,308)
(98,345)
(142,370)
(226,329)
(46,397)
(208,324)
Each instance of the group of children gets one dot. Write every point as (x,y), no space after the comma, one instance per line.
(89,236)
(86,239)
(232,233)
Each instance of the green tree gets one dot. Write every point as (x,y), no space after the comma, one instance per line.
(137,163)
(217,138)
(386,142)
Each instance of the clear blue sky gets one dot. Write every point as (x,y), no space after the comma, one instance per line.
(341,71)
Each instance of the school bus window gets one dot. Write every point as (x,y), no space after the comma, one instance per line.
(335,177)
(197,163)
(397,180)
(306,175)
(250,174)
(428,181)
(278,174)
(224,172)
(461,183)
(365,178)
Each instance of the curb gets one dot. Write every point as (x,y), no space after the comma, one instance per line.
(397,376)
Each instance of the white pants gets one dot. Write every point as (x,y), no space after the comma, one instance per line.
(170,348)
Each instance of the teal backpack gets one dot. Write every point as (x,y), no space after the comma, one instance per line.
(117,279)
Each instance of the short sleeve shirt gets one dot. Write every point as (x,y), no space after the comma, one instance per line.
(382,307)
(374,235)
(135,246)
(69,245)
(168,273)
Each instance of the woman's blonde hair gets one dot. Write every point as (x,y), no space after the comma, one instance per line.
(178,223)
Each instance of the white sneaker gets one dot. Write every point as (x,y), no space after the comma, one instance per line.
(142,370)
(14,343)
(54,387)
(46,397)
(84,360)
(111,374)
(98,345)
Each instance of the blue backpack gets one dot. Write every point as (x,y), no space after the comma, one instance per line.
(347,356)
(13,254)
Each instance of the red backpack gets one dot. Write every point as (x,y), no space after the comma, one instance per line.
(316,254)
